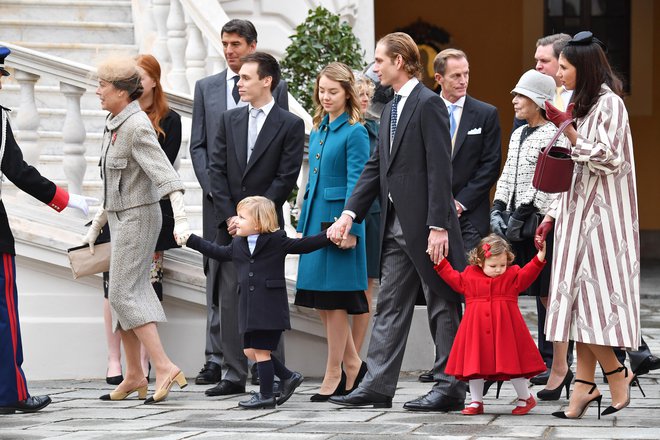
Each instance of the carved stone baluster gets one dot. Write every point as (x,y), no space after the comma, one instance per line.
(176,42)
(27,120)
(148,29)
(160,10)
(195,55)
(73,134)
(215,61)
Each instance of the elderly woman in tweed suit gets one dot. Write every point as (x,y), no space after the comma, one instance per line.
(136,175)
(594,296)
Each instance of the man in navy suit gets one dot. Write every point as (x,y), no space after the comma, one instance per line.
(214,95)
(476,155)
(258,150)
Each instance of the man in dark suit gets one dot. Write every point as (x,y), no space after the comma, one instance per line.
(476,157)
(258,150)
(410,172)
(213,96)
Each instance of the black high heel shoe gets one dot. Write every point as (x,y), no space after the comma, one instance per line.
(339,391)
(361,373)
(597,399)
(612,409)
(489,383)
(555,394)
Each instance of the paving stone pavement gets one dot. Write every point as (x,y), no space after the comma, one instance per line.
(77,413)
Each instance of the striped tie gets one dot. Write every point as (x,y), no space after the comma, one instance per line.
(394,117)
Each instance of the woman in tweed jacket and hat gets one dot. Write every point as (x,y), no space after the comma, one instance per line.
(136,174)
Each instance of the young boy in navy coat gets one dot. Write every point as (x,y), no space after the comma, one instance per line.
(258,251)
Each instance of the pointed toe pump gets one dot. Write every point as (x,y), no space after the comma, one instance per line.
(489,383)
(597,399)
(162,392)
(339,391)
(634,381)
(121,395)
(555,394)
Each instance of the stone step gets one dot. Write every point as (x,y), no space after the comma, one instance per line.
(48,11)
(66,31)
(67,10)
(83,53)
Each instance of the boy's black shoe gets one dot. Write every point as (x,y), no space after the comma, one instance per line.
(258,402)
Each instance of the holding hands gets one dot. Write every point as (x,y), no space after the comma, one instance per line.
(541,233)
(339,231)
(438,245)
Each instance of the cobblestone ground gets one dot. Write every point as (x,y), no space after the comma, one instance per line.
(76,412)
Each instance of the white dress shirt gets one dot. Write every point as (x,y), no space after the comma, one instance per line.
(230,88)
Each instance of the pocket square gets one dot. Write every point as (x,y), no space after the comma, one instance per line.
(474,131)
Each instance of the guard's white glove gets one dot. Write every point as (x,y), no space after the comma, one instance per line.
(100,219)
(181,227)
(81,202)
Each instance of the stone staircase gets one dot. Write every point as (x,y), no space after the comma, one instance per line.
(82,31)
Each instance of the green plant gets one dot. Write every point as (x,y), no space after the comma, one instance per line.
(319,40)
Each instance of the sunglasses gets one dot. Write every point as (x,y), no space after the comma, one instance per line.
(585,38)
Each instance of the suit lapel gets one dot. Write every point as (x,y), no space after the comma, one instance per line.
(406,113)
(262,239)
(467,118)
(239,129)
(270,128)
(222,91)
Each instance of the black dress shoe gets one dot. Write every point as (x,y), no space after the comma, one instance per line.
(363,397)
(225,388)
(541,379)
(288,386)
(649,363)
(434,400)
(114,380)
(426,377)
(254,374)
(258,402)
(209,374)
(31,404)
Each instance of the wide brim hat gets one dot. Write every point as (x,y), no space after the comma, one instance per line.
(4,53)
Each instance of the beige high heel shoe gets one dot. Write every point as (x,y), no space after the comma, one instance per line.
(162,392)
(121,395)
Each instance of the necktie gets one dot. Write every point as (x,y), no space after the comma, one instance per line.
(253,132)
(234,91)
(559,101)
(394,117)
(452,121)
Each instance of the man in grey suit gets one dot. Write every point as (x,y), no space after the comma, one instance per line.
(410,172)
(475,133)
(213,96)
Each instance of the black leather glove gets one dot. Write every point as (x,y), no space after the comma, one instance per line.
(517,221)
(497,224)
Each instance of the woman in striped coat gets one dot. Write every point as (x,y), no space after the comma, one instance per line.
(594,291)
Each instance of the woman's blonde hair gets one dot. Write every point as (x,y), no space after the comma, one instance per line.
(341,73)
(121,71)
(364,83)
(263,211)
(490,245)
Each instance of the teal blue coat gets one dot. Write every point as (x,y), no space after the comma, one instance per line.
(337,154)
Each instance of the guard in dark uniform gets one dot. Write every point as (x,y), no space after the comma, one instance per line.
(14,395)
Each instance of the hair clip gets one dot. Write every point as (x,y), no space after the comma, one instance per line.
(487,252)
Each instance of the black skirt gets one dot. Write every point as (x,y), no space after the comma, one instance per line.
(525,251)
(262,339)
(354,302)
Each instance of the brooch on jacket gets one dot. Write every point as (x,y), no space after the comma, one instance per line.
(114,138)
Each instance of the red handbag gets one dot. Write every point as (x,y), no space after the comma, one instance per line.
(554,167)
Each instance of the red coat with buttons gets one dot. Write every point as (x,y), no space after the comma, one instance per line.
(492,341)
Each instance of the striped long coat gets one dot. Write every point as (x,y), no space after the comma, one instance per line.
(594,291)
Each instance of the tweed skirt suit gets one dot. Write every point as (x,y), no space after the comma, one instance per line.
(136,174)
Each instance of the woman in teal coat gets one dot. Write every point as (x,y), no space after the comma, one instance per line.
(333,280)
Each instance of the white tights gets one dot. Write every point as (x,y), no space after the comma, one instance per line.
(477,390)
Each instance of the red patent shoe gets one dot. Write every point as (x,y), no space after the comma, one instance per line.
(473,410)
(522,410)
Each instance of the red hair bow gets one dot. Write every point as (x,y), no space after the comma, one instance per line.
(486,248)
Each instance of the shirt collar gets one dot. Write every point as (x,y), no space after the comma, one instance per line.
(230,75)
(408,87)
(266,108)
(460,103)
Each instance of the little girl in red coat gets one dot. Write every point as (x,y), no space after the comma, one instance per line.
(493,342)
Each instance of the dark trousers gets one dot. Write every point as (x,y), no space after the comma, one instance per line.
(13,386)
